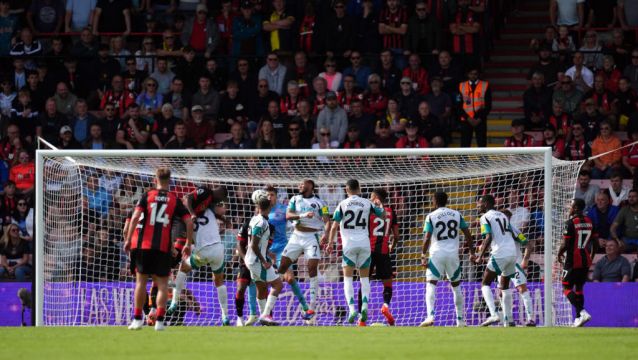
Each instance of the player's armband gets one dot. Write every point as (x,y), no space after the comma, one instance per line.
(521,238)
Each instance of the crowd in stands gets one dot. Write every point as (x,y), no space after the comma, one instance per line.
(258,74)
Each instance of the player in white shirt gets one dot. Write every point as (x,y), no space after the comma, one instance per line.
(520,277)
(442,229)
(208,249)
(497,235)
(353,216)
(258,262)
(311,222)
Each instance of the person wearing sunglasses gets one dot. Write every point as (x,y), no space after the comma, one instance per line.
(603,145)
(424,31)
(333,77)
(338,32)
(14,254)
(358,70)
(274,72)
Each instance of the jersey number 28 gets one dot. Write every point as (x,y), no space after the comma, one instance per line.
(452,227)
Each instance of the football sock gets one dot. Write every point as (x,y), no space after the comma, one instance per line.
(580,297)
(239,304)
(252,298)
(365,292)
(430,298)
(180,279)
(348,290)
(489,299)
(222,296)
(508,304)
(154,291)
(459,301)
(314,290)
(573,299)
(262,306)
(270,303)
(387,294)
(137,314)
(298,294)
(160,313)
(359,299)
(527,302)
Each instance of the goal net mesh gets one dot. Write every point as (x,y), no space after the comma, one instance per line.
(87,199)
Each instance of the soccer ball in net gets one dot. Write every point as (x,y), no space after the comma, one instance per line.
(258,195)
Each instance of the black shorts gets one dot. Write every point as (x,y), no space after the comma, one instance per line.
(151,262)
(176,260)
(575,277)
(244,273)
(380,266)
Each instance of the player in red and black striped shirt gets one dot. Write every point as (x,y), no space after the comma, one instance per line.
(381,231)
(202,198)
(152,248)
(577,251)
(244,280)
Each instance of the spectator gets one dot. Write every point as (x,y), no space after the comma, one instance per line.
(207,98)
(610,74)
(582,76)
(9,202)
(266,138)
(568,95)
(117,96)
(547,66)
(407,98)
(288,103)
(519,138)
(217,75)
(368,40)
(163,126)
(333,77)
(617,191)
(358,70)
(631,70)
(385,139)
(338,33)
(25,115)
(412,139)
(238,139)
(627,220)
(353,138)
(224,20)
(303,73)
(134,133)
(200,32)
(550,139)
(613,267)
(180,140)
(546,41)
(110,122)
(82,120)
(36,89)
(324,143)
(86,47)
(232,108)
(560,120)
(630,155)
(264,97)
(440,103)
(619,48)
(601,14)
(247,39)
(389,73)
(66,140)
(606,143)
(145,56)
(592,119)
(567,12)
(279,122)
(199,129)
(393,117)
(294,139)
(23,174)
(120,52)
(79,14)
(627,14)
(423,35)
(334,118)
(477,104)
(604,100)
(6,97)
(306,121)
(189,69)
(577,146)
(273,72)
(101,69)
(520,217)
(97,200)
(592,51)
(603,214)
(585,190)
(626,102)
(537,102)
(466,36)
(10,24)
(349,93)
(278,27)
(19,77)
(150,100)
(364,122)
(171,45)
(50,122)
(163,75)
(27,46)
(14,255)
(178,98)
(96,141)
(375,100)
(417,74)
(393,25)
(112,16)
(308,27)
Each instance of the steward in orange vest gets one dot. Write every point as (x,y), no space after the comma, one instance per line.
(476,104)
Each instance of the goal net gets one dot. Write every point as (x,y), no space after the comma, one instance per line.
(83,274)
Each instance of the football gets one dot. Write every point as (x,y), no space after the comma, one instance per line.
(151,317)
(258,194)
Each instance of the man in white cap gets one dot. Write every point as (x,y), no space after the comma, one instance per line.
(200,32)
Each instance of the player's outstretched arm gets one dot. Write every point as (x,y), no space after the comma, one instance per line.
(187,200)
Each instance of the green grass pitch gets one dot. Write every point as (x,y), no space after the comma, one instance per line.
(318,343)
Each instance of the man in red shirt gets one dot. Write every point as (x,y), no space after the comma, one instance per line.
(412,139)
(151,250)
(200,32)
(519,138)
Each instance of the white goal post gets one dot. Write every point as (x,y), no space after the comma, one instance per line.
(64,292)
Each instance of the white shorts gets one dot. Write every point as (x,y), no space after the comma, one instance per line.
(212,255)
(306,243)
(519,278)
(259,274)
(505,266)
(357,256)
(444,265)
